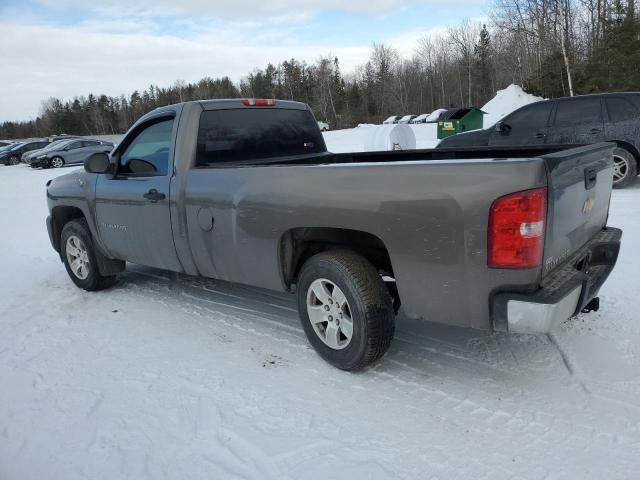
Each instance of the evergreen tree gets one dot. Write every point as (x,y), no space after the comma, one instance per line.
(483,67)
(615,65)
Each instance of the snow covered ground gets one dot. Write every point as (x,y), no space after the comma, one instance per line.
(198,379)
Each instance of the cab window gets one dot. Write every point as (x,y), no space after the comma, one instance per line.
(621,110)
(148,152)
(531,116)
(244,135)
(578,112)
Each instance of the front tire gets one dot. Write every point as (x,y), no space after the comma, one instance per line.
(80,257)
(625,168)
(345,309)
(56,162)
(14,160)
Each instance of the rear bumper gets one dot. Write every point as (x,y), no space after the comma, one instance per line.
(563,293)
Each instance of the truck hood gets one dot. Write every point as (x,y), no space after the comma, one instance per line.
(68,185)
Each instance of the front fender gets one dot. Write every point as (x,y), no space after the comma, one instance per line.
(70,196)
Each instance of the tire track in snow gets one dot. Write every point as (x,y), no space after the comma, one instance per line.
(411,378)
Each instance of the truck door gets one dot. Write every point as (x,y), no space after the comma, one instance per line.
(132,206)
(526,126)
(577,121)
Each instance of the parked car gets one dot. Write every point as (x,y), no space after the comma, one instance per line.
(323,126)
(245,191)
(407,119)
(14,153)
(392,119)
(55,144)
(70,152)
(611,117)
(29,156)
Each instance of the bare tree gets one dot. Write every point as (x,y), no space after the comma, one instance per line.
(464,37)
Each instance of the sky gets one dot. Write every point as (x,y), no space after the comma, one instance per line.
(67,48)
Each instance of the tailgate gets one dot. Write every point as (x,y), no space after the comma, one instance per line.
(580,181)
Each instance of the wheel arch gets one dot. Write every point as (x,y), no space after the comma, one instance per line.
(297,245)
(631,148)
(60,216)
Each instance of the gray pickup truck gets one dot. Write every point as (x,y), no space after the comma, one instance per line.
(508,239)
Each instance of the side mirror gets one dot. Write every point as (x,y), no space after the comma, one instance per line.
(97,163)
(502,127)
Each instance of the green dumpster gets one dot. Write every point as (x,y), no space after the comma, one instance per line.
(458,120)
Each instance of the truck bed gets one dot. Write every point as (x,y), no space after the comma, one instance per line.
(428,207)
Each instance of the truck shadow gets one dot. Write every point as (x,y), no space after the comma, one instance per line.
(420,348)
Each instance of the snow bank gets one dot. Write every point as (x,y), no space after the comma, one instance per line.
(371,138)
(505,102)
(347,140)
(426,135)
(390,137)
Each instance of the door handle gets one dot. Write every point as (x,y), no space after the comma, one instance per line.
(590,178)
(154,195)
(541,135)
(593,131)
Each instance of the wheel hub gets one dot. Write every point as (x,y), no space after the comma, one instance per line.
(329,314)
(78,257)
(620,169)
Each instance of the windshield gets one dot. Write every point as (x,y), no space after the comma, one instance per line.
(55,145)
(15,146)
(59,144)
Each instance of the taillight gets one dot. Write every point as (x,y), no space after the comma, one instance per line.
(516,230)
(259,102)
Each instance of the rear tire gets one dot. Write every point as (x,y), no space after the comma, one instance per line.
(349,290)
(625,168)
(14,160)
(80,257)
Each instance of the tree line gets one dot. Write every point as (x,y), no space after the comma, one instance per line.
(550,47)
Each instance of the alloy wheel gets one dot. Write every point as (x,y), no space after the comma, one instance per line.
(620,169)
(78,257)
(329,314)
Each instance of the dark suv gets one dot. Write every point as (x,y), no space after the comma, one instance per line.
(611,117)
